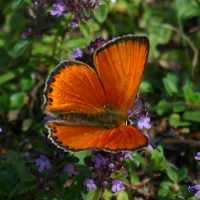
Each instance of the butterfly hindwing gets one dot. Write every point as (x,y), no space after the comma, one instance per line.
(120,64)
(78,138)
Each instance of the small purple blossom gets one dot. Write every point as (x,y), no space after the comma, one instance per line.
(149,146)
(24,36)
(77,54)
(99,159)
(90,184)
(196,187)
(0,129)
(127,154)
(144,122)
(117,185)
(48,118)
(58,9)
(191,188)
(198,156)
(70,169)
(73,24)
(43,161)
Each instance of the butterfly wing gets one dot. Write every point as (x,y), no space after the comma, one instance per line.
(73,86)
(120,65)
(77,138)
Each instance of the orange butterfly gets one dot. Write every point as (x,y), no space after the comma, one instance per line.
(89,109)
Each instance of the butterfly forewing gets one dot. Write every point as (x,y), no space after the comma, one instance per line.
(120,65)
(74,86)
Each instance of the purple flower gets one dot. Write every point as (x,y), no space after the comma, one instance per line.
(0,129)
(43,161)
(58,9)
(149,146)
(90,184)
(48,118)
(127,154)
(191,188)
(198,156)
(117,185)
(24,36)
(70,169)
(99,159)
(196,187)
(77,54)
(73,24)
(144,122)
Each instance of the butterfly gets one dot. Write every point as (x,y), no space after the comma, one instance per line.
(88,108)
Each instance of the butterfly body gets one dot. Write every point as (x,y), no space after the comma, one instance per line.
(89,108)
(107,118)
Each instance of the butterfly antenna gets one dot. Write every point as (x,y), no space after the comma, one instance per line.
(153,145)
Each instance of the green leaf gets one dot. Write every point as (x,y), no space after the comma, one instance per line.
(163,192)
(12,157)
(188,92)
(21,171)
(176,176)
(17,100)
(4,103)
(158,160)
(122,196)
(94,26)
(175,121)
(192,115)
(59,182)
(146,87)
(85,30)
(101,13)
(94,194)
(178,108)
(4,189)
(183,191)
(78,42)
(27,83)
(70,159)
(134,179)
(16,4)
(166,184)
(10,75)
(82,155)
(20,47)
(107,195)
(171,84)
(24,187)
(186,8)
(162,111)
(12,180)
(138,158)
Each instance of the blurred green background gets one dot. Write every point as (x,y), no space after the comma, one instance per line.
(171,81)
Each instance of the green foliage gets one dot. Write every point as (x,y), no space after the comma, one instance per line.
(101,14)
(158,160)
(171,84)
(94,194)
